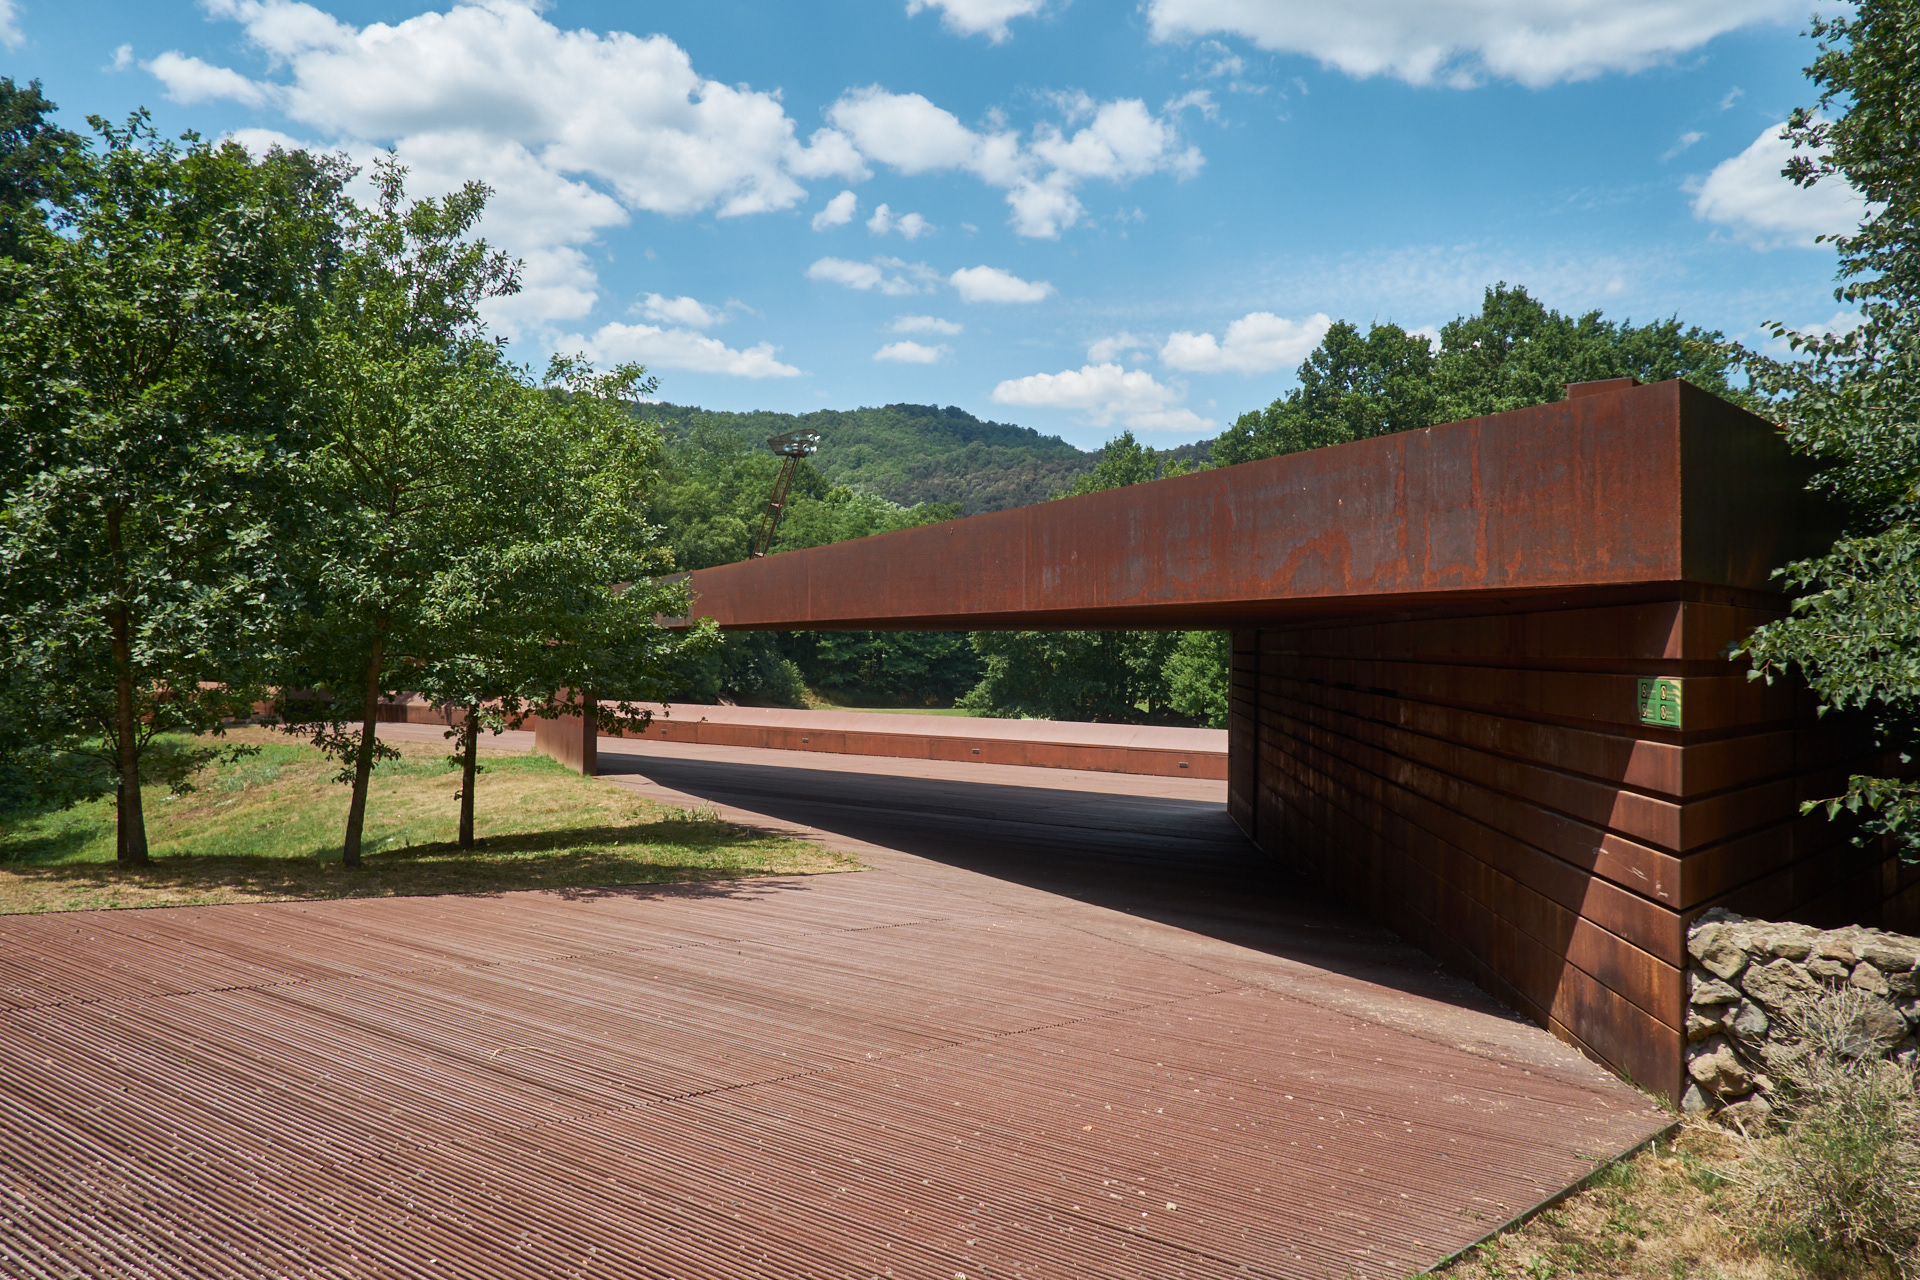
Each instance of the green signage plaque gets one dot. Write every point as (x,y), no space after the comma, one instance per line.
(1660,702)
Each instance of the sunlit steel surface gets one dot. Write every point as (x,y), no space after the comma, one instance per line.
(1627,488)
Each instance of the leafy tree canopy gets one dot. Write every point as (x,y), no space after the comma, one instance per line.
(1852,400)
(1514,353)
(144,384)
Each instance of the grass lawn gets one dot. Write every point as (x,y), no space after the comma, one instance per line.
(269,827)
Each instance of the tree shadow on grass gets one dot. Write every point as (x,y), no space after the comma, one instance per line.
(50,848)
(674,855)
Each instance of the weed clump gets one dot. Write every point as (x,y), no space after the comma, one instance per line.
(1838,1185)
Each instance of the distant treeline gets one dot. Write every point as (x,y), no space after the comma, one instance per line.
(912,453)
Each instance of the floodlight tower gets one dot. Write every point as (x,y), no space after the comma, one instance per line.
(791,447)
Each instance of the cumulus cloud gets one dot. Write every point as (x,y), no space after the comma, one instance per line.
(838,213)
(991,284)
(1748,196)
(1465,42)
(1255,343)
(660,348)
(924,324)
(905,352)
(1105,350)
(574,130)
(10,34)
(978,17)
(688,312)
(910,225)
(890,276)
(190,80)
(1041,174)
(1104,394)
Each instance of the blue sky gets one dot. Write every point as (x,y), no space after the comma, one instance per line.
(1074,216)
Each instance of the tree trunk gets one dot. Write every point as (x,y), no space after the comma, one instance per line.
(363,756)
(130,836)
(469,773)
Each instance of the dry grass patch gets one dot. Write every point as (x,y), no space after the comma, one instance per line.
(1670,1213)
(268,828)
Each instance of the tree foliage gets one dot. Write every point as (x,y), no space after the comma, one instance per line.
(1513,353)
(1852,400)
(909,453)
(144,385)
(554,613)
(713,487)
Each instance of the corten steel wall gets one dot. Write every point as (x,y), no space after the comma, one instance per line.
(1486,785)
(1440,639)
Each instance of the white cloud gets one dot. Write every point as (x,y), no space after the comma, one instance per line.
(190,80)
(1681,143)
(1255,343)
(978,17)
(1748,196)
(905,277)
(905,130)
(910,352)
(659,348)
(924,324)
(991,284)
(910,225)
(838,212)
(689,312)
(10,34)
(574,130)
(1105,394)
(122,56)
(1105,350)
(1121,141)
(1463,42)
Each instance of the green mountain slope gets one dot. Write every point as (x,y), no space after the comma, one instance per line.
(913,453)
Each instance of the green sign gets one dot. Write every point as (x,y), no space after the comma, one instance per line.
(1660,702)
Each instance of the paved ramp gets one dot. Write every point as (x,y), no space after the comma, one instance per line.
(1065,1028)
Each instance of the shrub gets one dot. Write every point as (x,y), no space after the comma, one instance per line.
(1841,1181)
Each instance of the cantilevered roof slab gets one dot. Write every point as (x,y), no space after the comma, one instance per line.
(1617,488)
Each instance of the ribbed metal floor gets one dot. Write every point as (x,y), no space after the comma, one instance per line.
(919,1070)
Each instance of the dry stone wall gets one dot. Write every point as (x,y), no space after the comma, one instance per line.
(1748,977)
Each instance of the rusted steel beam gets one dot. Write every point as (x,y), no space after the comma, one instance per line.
(1616,489)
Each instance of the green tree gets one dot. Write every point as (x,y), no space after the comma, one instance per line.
(1351,388)
(556,614)
(1852,400)
(418,418)
(41,166)
(1199,677)
(898,668)
(1516,353)
(1117,676)
(1513,353)
(146,362)
(713,488)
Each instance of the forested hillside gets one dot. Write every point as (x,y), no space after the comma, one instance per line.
(912,453)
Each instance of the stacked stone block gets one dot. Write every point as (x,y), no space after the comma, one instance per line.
(1748,975)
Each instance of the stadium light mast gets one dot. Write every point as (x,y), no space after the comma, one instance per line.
(791,447)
